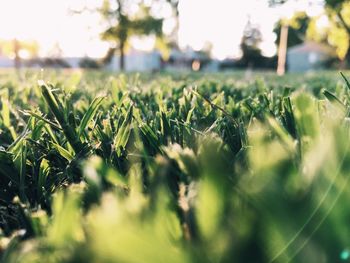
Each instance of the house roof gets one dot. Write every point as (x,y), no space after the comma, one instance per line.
(308,47)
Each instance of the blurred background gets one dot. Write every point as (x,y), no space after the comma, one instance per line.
(175,35)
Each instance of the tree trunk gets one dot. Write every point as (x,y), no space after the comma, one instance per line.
(282,51)
(122,56)
(344,64)
(109,56)
(346,61)
(16,48)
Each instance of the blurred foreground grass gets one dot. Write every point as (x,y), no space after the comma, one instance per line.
(174,168)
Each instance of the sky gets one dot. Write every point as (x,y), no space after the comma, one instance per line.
(220,22)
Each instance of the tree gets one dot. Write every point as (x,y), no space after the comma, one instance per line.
(290,32)
(19,49)
(89,63)
(175,10)
(339,30)
(284,39)
(298,26)
(251,52)
(282,44)
(123,24)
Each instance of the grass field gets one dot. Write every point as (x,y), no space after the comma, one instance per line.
(174,168)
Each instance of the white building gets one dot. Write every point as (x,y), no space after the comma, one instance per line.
(135,61)
(6,62)
(138,61)
(188,59)
(308,56)
(179,60)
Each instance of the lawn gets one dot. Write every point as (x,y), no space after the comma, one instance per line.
(224,167)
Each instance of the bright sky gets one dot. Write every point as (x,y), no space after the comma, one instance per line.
(220,22)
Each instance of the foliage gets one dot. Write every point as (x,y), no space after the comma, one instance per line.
(8,47)
(339,28)
(298,26)
(336,32)
(89,63)
(174,168)
(123,23)
(250,46)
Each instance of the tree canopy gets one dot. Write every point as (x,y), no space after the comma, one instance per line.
(123,24)
(338,12)
(298,26)
(251,51)
(126,18)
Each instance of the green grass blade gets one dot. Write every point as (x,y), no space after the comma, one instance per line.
(345,79)
(123,134)
(89,114)
(58,111)
(63,152)
(22,171)
(43,171)
(334,100)
(36,115)
(5,112)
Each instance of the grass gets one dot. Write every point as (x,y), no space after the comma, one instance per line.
(174,168)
